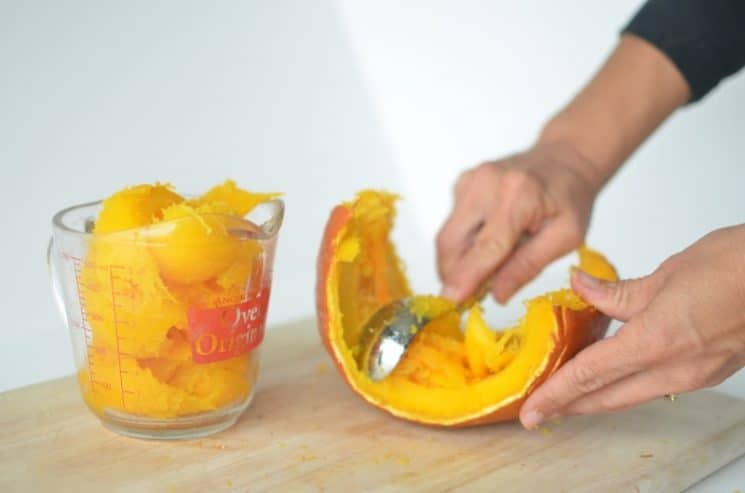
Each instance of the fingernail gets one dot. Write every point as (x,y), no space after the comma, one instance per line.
(449,292)
(586,279)
(533,419)
(504,293)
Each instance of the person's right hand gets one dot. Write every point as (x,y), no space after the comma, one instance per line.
(514,216)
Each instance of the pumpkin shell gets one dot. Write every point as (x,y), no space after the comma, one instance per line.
(574,324)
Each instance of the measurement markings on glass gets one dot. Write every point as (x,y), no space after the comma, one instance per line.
(85,327)
(120,278)
(114,282)
(116,331)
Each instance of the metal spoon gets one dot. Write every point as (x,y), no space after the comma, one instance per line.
(388,332)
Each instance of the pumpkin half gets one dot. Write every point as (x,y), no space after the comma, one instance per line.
(451,375)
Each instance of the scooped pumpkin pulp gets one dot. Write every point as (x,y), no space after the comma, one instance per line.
(152,257)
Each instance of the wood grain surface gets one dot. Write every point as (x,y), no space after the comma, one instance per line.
(306,431)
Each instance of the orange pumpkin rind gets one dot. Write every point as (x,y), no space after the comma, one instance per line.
(358,271)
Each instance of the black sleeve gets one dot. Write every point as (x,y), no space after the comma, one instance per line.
(705,39)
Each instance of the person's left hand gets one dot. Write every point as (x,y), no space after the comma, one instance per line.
(684,330)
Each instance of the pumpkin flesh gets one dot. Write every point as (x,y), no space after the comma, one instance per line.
(449,376)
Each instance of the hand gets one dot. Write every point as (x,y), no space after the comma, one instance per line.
(543,196)
(684,330)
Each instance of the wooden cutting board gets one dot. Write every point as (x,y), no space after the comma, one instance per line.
(306,431)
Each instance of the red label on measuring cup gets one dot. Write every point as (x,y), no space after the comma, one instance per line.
(216,334)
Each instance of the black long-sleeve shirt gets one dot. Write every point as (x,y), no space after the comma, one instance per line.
(705,39)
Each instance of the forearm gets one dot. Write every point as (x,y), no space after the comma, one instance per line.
(634,92)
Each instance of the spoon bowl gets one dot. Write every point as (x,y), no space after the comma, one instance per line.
(388,333)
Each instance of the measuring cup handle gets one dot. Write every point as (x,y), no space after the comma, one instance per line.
(54,280)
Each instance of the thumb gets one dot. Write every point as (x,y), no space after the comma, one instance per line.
(620,299)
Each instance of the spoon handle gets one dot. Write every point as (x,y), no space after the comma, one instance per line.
(476,297)
(483,288)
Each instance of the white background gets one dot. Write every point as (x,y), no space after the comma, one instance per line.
(319,99)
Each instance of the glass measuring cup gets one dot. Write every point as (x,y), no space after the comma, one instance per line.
(166,323)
